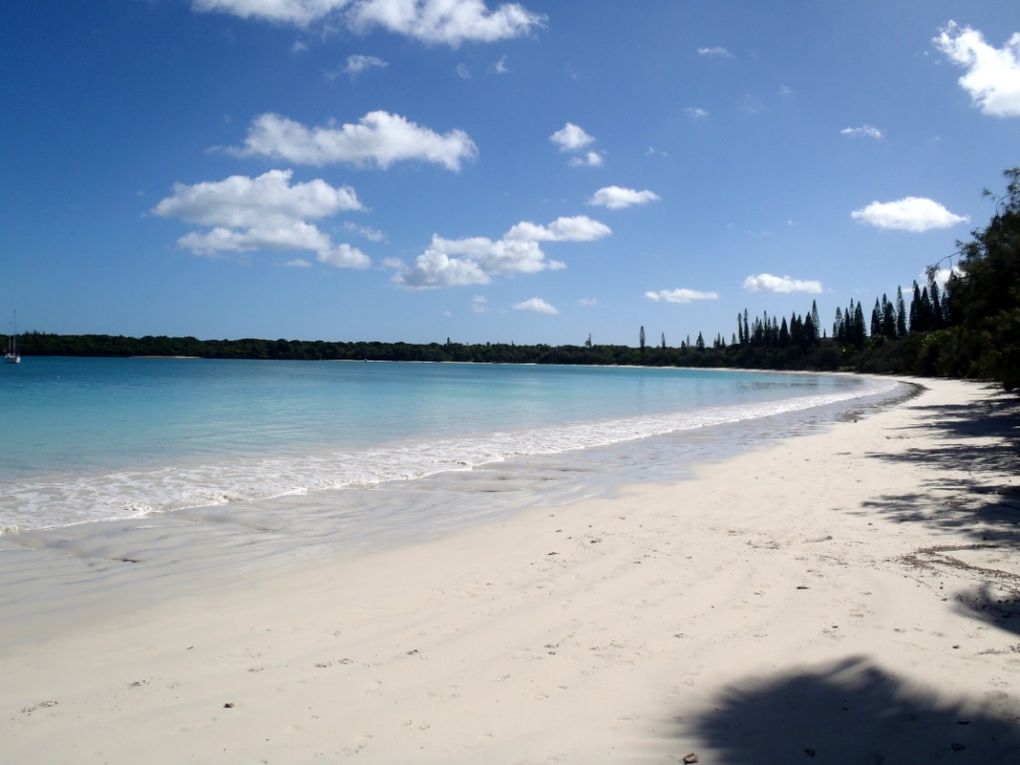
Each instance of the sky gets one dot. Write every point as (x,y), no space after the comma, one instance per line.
(533,173)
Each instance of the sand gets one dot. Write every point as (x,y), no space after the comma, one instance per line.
(846,596)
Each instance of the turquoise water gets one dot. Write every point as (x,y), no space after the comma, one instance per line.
(97,439)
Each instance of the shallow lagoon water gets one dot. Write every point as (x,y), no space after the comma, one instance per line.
(91,440)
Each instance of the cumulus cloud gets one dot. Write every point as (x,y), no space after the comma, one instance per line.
(379,138)
(570,137)
(500,66)
(588,302)
(916,214)
(296,12)
(863,131)
(537,305)
(267,212)
(695,112)
(450,22)
(579,228)
(358,63)
(371,234)
(618,197)
(993,74)
(240,201)
(681,295)
(462,71)
(479,304)
(298,263)
(940,275)
(476,260)
(716,50)
(770,283)
(588,159)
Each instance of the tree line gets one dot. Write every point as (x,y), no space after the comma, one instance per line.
(969,328)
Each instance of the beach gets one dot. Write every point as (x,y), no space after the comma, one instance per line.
(846,595)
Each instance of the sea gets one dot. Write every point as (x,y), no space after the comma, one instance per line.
(359,449)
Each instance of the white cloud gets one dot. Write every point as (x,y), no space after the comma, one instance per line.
(267,212)
(579,228)
(476,260)
(617,197)
(588,159)
(344,256)
(358,63)
(536,305)
(570,137)
(297,12)
(298,47)
(371,234)
(240,201)
(695,112)
(450,22)
(770,283)
(588,302)
(379,138)
(298,263)
(479,304)
(500,66)
(916,214)
(941,276)
(993,74)
(863,131)
(716,50)
(681,295)
(462,71)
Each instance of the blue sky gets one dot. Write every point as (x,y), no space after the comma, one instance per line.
(534,172)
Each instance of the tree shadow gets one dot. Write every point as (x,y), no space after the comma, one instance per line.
(997,608)
(984,439)
(850,712)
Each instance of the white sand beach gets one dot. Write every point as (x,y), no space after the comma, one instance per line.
(845,596)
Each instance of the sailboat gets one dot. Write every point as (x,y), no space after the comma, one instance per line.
(12,357)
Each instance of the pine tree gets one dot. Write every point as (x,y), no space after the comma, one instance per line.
(888,318)
(876,321)
(641,337)
(901,315)
(937,318)
(859,336)
(700,342)
(837,325)
(663,343)
(925,313)
(815,321)
(915,311)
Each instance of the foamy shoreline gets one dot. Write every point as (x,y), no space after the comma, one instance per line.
(831,592)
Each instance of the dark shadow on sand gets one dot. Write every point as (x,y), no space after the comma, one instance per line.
(850,712)
(1000,609)
(984,440)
